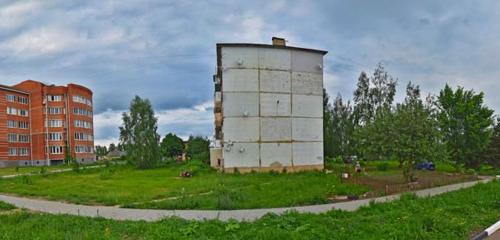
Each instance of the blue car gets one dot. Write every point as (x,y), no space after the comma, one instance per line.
(426,166)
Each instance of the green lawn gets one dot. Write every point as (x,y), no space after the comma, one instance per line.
(208,189)
(455,215)
(25,170)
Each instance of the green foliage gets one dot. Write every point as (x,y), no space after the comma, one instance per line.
(139,134)
(171,146)
(101,151)
(197,148)
(6,207)
(43,171)
(466,124)
(75,166)
(491,155)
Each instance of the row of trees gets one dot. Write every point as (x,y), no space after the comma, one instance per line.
(141,141)
(454,125)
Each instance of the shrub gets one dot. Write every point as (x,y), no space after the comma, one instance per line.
(226,198)
(196,167)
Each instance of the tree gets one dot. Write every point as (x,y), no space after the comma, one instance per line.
(372,110)
(197,148)
(171,146)
(416,135)
(466,124)
(112,147)
(101,151)
(491,155)
(139,136)
(328,135)
(343,127)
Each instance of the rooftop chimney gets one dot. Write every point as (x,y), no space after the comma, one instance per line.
(279,41)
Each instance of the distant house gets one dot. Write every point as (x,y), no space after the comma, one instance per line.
(116,154)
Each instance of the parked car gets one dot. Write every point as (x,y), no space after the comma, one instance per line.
(426,166)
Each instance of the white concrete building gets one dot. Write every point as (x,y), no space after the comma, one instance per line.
(268,107)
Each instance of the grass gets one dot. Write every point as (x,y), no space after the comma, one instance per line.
(163,188)
(29,169)
(454,215)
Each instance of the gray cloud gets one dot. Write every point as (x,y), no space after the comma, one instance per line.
(165,50)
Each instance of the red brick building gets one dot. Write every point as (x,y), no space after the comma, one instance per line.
(40,124)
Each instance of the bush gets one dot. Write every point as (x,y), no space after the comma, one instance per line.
(75,166)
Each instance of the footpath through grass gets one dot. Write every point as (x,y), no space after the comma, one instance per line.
(163,188)
(454,215)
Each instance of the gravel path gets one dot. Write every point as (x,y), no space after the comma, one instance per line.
(224,215)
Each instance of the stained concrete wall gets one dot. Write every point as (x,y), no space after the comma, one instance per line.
(272,102)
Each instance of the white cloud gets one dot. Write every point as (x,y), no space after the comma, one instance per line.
(106,124)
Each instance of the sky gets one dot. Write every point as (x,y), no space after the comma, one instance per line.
(165,50)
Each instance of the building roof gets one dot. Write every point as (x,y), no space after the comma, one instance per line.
(8,88)
(219,45)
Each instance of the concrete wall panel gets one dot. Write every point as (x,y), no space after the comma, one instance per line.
(275,129)
(274,59)
(273,104)
(241,155)
(241,80)
(307,153)
(307,62)
(247,56)
(237,104)
(307,129)
(241,129)
(307,106)
(275,81)
(276,154)
(307,83)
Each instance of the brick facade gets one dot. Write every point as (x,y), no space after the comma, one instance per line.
(59,121)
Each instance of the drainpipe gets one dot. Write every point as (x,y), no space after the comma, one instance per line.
(47,150)
(31,130)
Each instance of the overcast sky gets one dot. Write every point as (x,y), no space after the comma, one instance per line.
(165,50)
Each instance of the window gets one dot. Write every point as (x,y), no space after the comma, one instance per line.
(14,111)
(54,110)
(54,123)
(12,124)
(83,112)
(12,137)
(84,149)
(12,151)
(83,137)
(22,152)
(23,112)
(11,98)
(80,99)
(55,136)
(56,149)
(82,124)
(23,138)
(23,125)
(23,100)
(54,98)
(11,111)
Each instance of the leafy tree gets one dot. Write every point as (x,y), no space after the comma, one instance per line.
(466,124)
(197,148)
(491,155)
(101,151)
(171,146)
(328,135)
(415,132)
(372,110)
(139,134)
(343,127)
(112,147)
